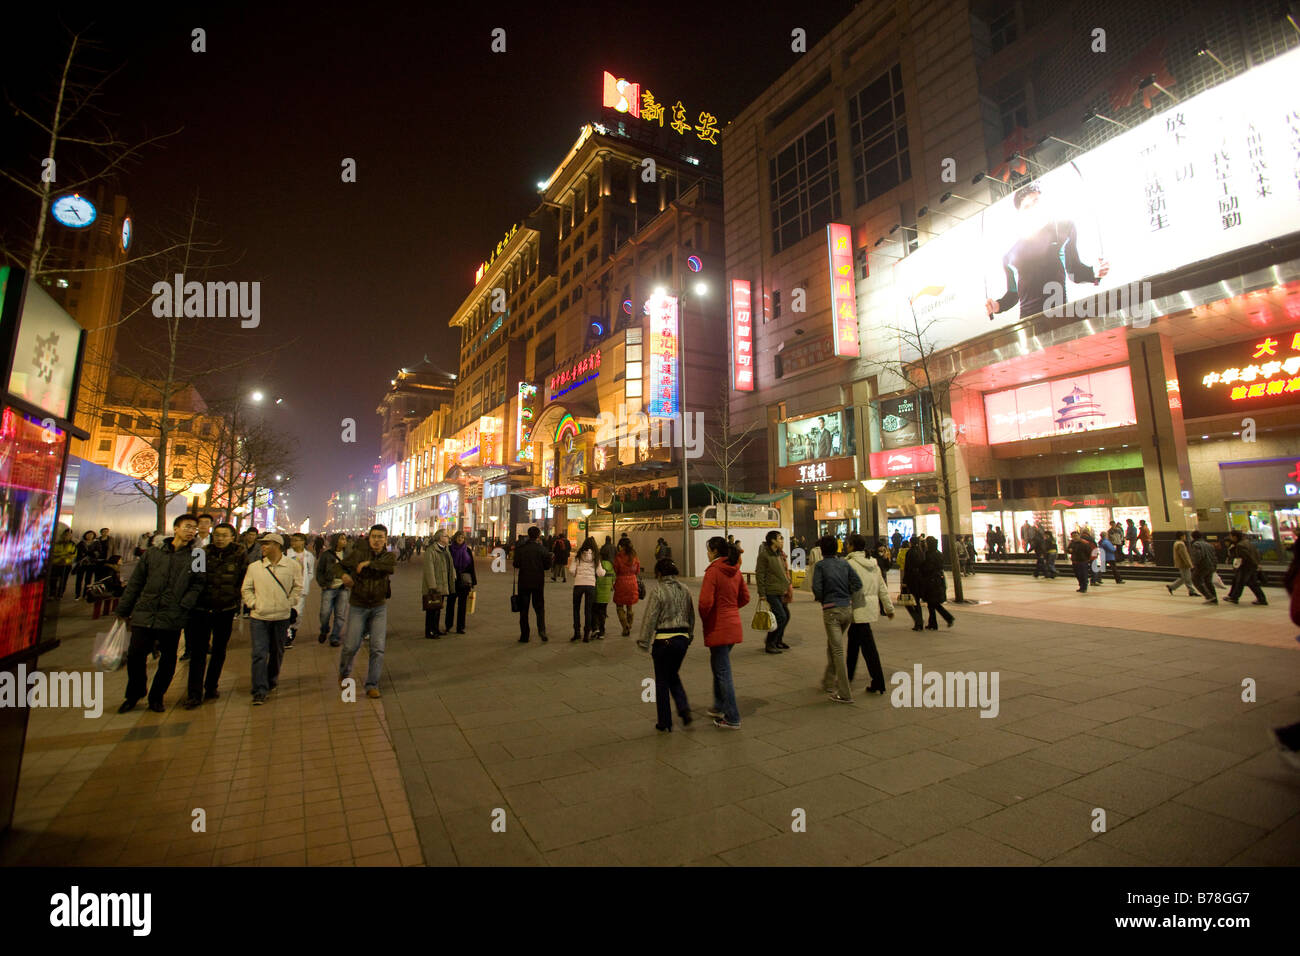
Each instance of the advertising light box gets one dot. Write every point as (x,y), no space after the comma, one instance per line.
(1207,176)
(821,436)
(1259,372)
(45,353)
(1062,406)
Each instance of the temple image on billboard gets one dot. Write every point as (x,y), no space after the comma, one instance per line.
(1079,412)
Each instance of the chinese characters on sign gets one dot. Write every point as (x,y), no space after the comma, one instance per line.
(579,373)
(567,494)
(524,427)
(742,337)
(620,95)
(844,303)
(483,266)
(1276,375)
(661,389)
(813,472)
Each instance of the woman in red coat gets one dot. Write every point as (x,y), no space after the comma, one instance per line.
(722,595)
(626,569)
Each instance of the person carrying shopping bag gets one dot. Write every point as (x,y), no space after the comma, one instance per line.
(462,559)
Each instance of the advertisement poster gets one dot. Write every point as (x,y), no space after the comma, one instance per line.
(45,354)
(661,394)
(1209,175)
(1063,406)
(822,436)
(1260,372)
(902,421)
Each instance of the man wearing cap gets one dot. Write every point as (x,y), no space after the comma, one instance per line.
(271,590)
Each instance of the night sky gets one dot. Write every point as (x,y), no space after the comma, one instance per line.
(450,140)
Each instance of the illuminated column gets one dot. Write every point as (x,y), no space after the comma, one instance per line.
(1163,438)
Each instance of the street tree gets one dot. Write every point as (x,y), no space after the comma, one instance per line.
(725,445)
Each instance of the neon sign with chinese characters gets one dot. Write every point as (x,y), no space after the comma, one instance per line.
(742,337)
(844,303)
(579,373)
(1271,371)
(482,269)
(662,386)
(524,425)
(624,96)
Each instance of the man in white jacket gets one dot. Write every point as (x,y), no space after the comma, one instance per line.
(298,552)
(271,589)
(868,602)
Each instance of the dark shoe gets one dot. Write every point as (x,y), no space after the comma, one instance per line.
(157,707)
(1231,600)
(772,650)
(952,622)
(686,719)
(259,700)
(523,640)
(1192,594)
(460,630)
(1169,588)
(1210,601)
(544,638)
(211,694)
(128,705)
(1259,603)
(876,690)
(335,643)
(1080,591)
(918,628)
(575,638)
(662,729)
(192,702)
(932,627)
(723,725)
(322,638)
(783,645)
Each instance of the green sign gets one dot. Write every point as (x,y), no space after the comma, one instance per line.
(582,526)
(695,521)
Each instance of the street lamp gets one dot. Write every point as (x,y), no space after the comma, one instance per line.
(874,486)
(256,396)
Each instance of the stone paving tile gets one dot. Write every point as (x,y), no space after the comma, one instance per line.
(959,847)
(921,814)
(682,839)
(1012,780)
(820,800)
(1252,800)
(1177,835)
(1083,753)
(910,771)
(1182,758)
(1278,848)
(1045,826)
(583,822)
(1141,731)
(1124,789)
(837,841)
(1051,726)
(1096,853)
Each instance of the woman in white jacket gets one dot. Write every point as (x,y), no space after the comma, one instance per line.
(868,602)
(586,567)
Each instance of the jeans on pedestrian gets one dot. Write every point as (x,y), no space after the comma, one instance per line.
(1244,578)
(1051,564)
(137,656)
(782,615)
(267,638)
(333,603)
(362,621)
(537,597)
(584,596)
(940,610)
(836,621)
(207,629)
(457,602)
(724,690)
(1082,573)
(1040,565)
(861,639)
(668,655)
(1203,578)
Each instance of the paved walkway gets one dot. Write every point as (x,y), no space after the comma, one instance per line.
(1126,700)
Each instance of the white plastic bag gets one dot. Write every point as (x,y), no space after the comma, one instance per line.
(110,648)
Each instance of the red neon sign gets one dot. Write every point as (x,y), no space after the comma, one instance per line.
(742,337)
(917,460)
(844,302)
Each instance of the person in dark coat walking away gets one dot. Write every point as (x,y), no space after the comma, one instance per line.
(1245,562)
(439,581)
(560,549)
(935,586)
(722,594)
(213,616)
(462,559)
(163,590)
(666,632)
(911,566)
(1081,560)
(532,560)
(1204,562)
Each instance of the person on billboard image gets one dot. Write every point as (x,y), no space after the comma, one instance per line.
(1036,266)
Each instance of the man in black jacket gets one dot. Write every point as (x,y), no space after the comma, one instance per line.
(163,589)
(214,615)
(532,561)
(560,559)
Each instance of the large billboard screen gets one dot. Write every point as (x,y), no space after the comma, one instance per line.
(1209,175)
(1062,406)
(1260,372)
(821,436)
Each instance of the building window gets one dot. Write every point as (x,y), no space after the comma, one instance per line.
(1013,111)
(178,472)
(123,421)
(105,444)
(776,303)
(185,425)
(205,429)
(180,450)
(805,185)
(1002,29)
(878,131)
(108,419)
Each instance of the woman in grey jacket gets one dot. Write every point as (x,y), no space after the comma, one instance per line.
(666,632)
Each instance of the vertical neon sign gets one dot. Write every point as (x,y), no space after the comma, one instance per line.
(524,425)
(742,337)
(663,357)
(844,302)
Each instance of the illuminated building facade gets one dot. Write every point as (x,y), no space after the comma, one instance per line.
(1080,282)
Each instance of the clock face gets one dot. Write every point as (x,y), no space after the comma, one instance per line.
(126,233)
(74,211)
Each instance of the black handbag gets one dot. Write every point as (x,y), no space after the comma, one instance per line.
(466,579)
(433,600)
(640,588)
(514,595)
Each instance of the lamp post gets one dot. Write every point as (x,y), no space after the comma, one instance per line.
(874,486)
(586,520)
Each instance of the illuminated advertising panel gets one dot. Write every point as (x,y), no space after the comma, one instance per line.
(662,387)
(742,337)
(902,421)
(1213,173)
(917,460)
(820,436)
(1260,372)
(392,481)
(524,423)
(844,302)
(45,353)
(1062,406)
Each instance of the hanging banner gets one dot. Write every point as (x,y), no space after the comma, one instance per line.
(742,337)
(664,367)
(844,302)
